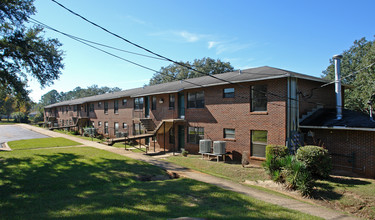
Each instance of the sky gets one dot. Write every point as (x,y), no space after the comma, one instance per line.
(300,36)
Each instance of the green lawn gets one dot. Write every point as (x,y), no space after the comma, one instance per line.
(6,122)
(41,143)
(232,171)
(353,195)
(81,183)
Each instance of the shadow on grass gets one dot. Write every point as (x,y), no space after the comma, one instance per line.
(325,189)
(71,185)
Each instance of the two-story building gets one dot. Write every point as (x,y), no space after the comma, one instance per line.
(248,109)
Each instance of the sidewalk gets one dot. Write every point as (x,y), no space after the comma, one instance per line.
(223,183)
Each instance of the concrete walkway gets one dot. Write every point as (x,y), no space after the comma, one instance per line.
(315,210)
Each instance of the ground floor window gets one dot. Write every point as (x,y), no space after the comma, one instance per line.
(229,133)
(106,127)
(195,134)
(137,128)
(258,143)
(116,127)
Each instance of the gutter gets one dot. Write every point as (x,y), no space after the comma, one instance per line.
(338,128)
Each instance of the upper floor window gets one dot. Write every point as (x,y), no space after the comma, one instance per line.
(171,101)
(228,93)
(259,98)
(105,107)
(115,108)
(153,103)
(229,133)
(124,101)
(91,107)
(138,103)
(195,99)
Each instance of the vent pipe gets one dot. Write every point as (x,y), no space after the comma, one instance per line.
(337,59)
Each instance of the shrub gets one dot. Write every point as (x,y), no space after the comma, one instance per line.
(20,117)
(273,166)
(316,160)
(296,175)
(276,150)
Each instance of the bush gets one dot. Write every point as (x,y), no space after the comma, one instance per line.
(296,175)
(20,117)
(316,160)
(273,167)
(276,150)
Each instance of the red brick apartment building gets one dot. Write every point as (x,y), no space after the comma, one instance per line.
(248,109)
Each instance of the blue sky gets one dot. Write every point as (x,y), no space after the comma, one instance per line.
(300,36)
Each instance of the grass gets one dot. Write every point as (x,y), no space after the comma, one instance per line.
(356,196)
(41,143)
(6,122)
(231,171)
(81,183)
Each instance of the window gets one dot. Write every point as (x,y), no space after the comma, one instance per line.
(229,133)
(74,108)
(92,107)
(66,109)
(106,127)
(137,129)
(258,143)
(70,121)
(153,103)
(124,101)
(195,99)
(259,98)
(62,122)
(93,124)
(138,103)
(228,93)
(195,134)
(171,101)
(99,123)
(116,127)
(115,108)
(124,126)
(99,104)
(105,107)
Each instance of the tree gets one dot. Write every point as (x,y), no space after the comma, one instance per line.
(176,72)
(50,98)
(23,51)
(357,70)
(53,96)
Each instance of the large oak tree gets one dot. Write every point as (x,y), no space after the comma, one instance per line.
(176,72)
(24,51)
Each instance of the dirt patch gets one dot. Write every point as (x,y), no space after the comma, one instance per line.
(150,177)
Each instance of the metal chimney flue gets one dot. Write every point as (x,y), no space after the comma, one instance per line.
(337,59)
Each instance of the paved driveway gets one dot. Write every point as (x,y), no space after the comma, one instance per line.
(14,132)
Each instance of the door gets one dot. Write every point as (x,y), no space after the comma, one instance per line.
(181,137)
(181,105)
(147,107)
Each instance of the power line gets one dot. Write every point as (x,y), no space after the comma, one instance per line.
(156,54)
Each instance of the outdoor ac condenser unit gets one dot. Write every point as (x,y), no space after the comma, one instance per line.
(205,146)
(219,147)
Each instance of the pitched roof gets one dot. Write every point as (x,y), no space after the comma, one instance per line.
(327,118)
(247,75)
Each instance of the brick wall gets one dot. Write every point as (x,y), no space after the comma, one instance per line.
(343,145)
(309,98)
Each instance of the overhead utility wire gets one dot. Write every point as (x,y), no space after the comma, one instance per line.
(111,54)
(158,55)
(93,42)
